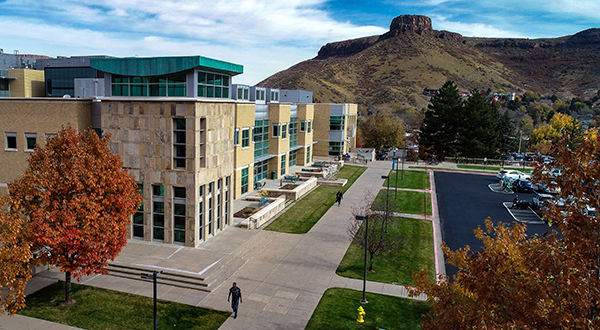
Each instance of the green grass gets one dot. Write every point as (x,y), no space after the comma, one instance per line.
(338,310)
(303,215)
(395,267)
(412,179)
(105,309)
(495,168)
(407,201)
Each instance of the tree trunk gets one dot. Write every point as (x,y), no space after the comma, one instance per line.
(68,299)
(371,262)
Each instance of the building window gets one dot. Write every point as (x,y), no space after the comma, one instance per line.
(245,137)
(293,155)
(201,214)
(236,137)
(274,96)
(179,214)
(293,132)
(283,162)
(219,187)
(179,142)
(226,213)
(307,155)
(336,124)
(243,93)
(158,212)
(260,137)
(284,130)
(213,85)
(303,126)
(11,141)
(260,94)
(244,180)
(309,130)
(173,85)
(335,148)
(138,217)
(30,141)
(260,170)
(211,188)
(276,130)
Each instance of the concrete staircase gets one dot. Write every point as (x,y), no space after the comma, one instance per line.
(207,281)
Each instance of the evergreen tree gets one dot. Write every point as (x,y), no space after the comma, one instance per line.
(439,131)
(478,134)
(506,128)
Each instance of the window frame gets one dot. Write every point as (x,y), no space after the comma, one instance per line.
(13,136)
(276,130)
(245,139)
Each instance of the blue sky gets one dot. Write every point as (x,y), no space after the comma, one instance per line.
(264,36)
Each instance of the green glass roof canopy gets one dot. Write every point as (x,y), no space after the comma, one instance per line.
(160,66)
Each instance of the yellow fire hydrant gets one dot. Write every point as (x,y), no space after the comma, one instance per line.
(361,315)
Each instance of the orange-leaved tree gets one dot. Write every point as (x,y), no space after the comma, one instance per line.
(542,282)
(70,208)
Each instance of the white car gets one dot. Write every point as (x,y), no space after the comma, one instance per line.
(514,174)
(540,200)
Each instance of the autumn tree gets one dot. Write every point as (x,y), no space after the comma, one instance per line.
(440,129)
(541,282)
(382,129)
(561,125)
(69,209)
(377,241)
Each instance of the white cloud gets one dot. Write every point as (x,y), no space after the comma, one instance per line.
(472,29)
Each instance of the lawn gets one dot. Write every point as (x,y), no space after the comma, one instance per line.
(407,201)
(105,309)
(395,267)
(338,310)
(412,179)
(303,215)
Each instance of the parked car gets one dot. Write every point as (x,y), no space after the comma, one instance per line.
(500,174)
(523,185)
(590,211)
(540,200)
(543,188)
(514,174)
(381,156)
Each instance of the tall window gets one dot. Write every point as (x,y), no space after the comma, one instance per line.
(179,142)
(211,188)
(158,212)
(236,137)
(260,137)
(179,214)
(308,155)
(245,137)
(303,126)
(219,187)
(244,180)
(260,170)
(284,130)
(276,130)
(213,85)
(201,214)
(138,217)
(309,126)
(226,213)
(293,132)
(30,141)
(336,124)
(293,155)
(11,141)
(283,162)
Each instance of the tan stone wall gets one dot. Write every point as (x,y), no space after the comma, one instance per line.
(29,83)
(244,118)
(40,116)
(142,133)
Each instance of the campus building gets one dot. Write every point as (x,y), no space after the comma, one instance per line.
(21,83)
(335,128)
(192,139)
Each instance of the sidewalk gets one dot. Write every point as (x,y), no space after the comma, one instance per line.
(282,283)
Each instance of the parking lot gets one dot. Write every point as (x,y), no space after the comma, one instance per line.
(465,201)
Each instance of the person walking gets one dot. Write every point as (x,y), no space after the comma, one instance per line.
(338,197)
(236,293)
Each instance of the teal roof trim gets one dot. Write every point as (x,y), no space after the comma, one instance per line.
(160,66)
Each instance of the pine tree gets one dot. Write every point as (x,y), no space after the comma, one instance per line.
(478,134)
(439,132)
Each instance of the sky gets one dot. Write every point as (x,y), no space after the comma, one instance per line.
(263,36)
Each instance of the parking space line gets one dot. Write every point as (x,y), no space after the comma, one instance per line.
(524,216)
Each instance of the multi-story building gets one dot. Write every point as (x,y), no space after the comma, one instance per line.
(193,140)
(335,128)
(21,83)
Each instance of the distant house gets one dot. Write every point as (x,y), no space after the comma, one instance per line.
(464,94)
(429,92)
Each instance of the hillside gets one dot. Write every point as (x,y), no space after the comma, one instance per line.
(397,66)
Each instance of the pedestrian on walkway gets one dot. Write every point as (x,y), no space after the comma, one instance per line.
(236,294)
(338,197)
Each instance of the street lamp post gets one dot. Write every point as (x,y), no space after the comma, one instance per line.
(387,201)
(396,186)
(154,276)
(403,157)
(361,217)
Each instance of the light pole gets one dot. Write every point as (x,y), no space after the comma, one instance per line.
(387,200)
(396,186)
(154,276)
(361,217)
(403,157)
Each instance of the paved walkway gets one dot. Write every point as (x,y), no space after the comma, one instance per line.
(282,283)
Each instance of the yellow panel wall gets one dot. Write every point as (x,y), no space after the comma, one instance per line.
(28,83)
